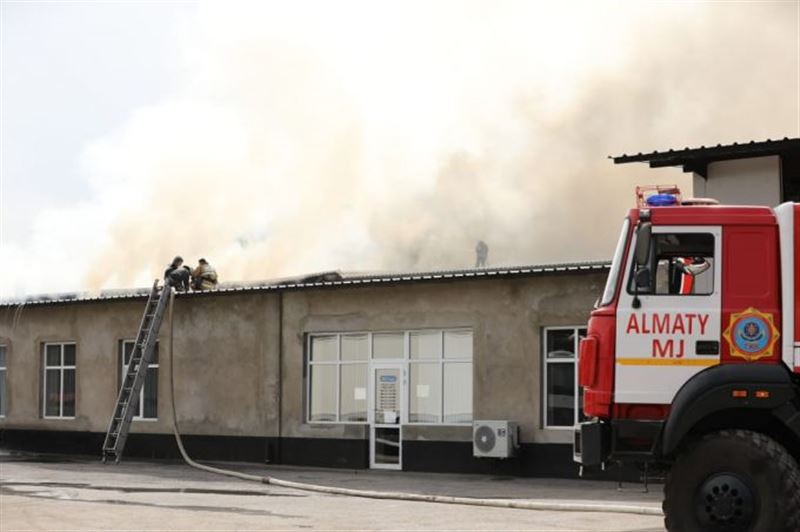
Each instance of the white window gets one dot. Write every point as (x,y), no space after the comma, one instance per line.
(438,364)
(440,377)
(147,405)
(59,380)
(337,365)
(425,377)
(3,400)
(562,406)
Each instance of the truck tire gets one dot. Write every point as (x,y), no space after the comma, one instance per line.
(733,480)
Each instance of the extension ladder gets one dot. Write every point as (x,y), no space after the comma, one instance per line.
(136,372)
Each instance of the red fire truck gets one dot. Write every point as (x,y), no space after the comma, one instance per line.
(692,360)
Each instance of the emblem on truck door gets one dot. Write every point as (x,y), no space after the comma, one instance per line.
(751,334)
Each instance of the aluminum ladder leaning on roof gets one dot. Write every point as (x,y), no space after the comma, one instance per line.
(136,372)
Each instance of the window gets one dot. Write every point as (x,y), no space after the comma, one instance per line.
(59,380)
(562,407)
(440,377)
(388,346)
(3,351)
(147,405)
(438,364)
(337,366)
(683,264)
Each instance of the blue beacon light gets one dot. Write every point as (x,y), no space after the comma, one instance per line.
(661,200)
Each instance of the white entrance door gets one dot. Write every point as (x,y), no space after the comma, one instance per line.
(675,331)
(385,448)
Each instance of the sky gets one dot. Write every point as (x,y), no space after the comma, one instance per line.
(277,139)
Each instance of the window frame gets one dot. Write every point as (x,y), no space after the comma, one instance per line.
(652,260)
(124,368)
(405,362)
(439,361)
(574,361)
(338,363)
(61,367)
(442,363)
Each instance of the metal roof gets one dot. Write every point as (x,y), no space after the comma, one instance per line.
(323,280)
(697,159)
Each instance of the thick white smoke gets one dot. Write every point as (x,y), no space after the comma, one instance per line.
(367,135)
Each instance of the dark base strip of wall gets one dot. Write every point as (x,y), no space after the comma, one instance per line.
(324,452)
(532,460)
(226,448)
(550,460)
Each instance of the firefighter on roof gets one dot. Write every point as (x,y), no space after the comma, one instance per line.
(204,276)
(178,275)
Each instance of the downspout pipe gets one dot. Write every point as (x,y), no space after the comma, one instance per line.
(280,377)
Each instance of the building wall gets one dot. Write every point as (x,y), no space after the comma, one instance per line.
(505,315)
(225,363)
(95,329)
(240,361)
(755,181)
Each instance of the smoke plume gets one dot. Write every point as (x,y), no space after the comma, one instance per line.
(376,136)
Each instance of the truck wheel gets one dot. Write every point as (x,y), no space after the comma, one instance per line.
(733,480)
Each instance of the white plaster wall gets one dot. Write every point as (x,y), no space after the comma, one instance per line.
(755,181)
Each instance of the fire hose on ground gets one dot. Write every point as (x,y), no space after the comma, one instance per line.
(370,494)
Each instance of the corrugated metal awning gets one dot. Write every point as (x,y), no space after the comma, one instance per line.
(697,159)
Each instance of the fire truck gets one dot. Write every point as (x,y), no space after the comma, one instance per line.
(691,360)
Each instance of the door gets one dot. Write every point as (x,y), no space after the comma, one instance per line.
(675,331)
(385,416)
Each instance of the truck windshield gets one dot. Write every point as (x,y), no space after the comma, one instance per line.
(611,283)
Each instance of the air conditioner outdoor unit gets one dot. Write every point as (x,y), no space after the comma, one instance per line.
(494,439)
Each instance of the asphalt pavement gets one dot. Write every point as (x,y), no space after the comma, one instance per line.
(68,493)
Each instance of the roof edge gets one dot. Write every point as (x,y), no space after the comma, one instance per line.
(349,281)
(677,157)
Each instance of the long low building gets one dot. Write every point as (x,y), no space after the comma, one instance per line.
(381,371)
(384,371)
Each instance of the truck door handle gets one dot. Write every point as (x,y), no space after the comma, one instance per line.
(707,347)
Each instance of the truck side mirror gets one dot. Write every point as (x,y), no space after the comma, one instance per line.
(641,281)
(642,251)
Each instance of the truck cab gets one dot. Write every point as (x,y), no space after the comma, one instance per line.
(693,343)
